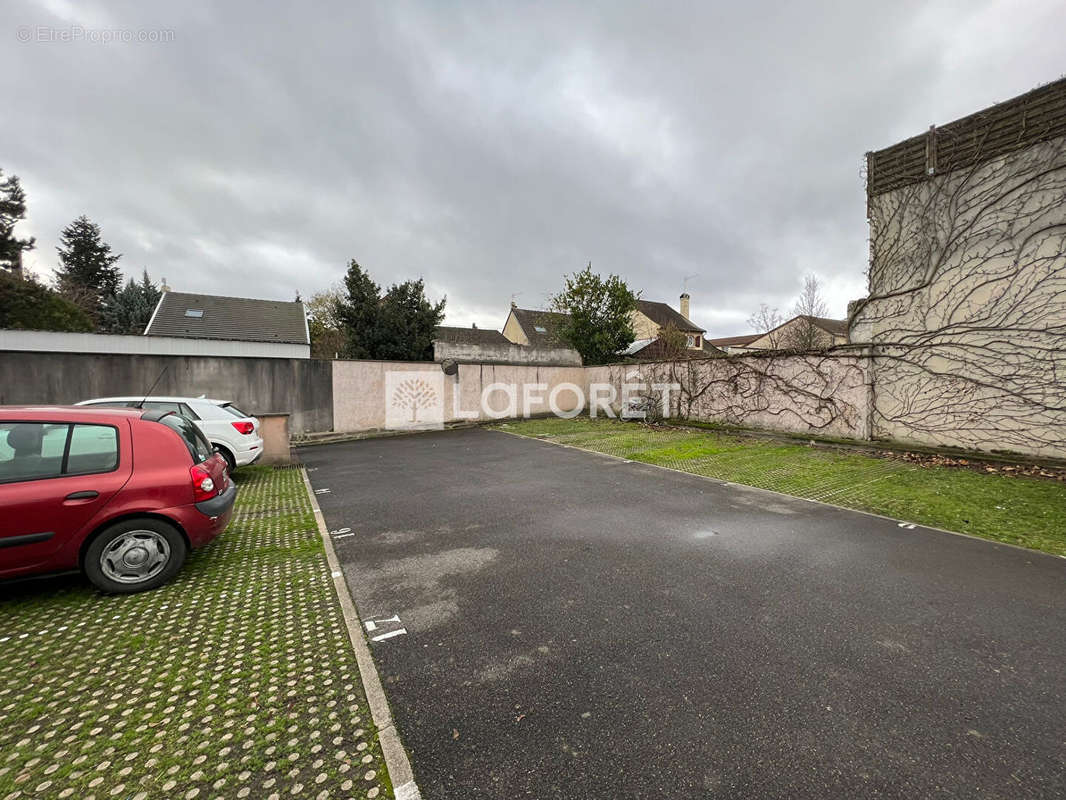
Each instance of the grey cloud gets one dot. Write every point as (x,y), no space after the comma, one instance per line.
(493,147)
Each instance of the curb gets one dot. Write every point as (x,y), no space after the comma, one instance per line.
(874,514)
(377,433)
(396,761)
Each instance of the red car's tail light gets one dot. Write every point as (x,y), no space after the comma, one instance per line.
(203,485)
(243,427)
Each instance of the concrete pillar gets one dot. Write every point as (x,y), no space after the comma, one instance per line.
(274,428)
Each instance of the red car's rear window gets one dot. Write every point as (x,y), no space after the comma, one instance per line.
(199,448)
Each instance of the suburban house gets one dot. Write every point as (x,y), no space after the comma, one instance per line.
(800,332)
(527,326)
(650,319)
(188,325)
(541,328)
(734,344)
(204,316)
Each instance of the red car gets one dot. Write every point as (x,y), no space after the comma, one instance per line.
(120,493)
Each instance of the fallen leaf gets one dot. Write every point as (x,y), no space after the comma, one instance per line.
(455,733)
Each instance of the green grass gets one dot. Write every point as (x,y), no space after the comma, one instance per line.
(237,679)
(1029,512)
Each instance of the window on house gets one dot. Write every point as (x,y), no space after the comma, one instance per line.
(195,313)
(691,340)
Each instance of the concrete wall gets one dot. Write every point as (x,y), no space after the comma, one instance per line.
(824,394)
(966,316)
(844,392)
(274,428)
(506,353)
(302,387)
(359,389)
(59,342)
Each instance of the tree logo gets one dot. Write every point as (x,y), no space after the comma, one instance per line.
(414,400)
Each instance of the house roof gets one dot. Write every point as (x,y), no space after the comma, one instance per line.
(653,350)
(452,335)
(541,327)
(662,315)
(636,347)
(711,350)
(207,316)
(836,327)
(735,341)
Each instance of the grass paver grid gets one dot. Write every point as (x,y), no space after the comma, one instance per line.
(235,680)
(1029,512)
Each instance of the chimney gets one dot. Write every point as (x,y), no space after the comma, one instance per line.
(474,326)
(684,305)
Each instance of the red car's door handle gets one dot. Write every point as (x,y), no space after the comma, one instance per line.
(87,495)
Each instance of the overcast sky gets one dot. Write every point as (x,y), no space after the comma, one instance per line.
(492,147)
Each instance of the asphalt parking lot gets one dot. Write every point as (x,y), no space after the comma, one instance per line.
(553,623)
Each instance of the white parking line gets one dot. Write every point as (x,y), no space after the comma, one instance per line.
(373,624)
(388,635)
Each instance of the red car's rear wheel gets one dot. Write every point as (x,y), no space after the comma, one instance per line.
(134,556)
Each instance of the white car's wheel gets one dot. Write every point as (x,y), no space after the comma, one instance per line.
(231,462)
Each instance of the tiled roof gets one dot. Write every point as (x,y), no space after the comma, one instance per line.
(206,316)
(735,341)
(452,335)
(711,350)
(662,315)
(837,327)
(637,346)
(541,327)
(653,350)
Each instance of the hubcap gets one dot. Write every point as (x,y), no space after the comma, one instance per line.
(135,556)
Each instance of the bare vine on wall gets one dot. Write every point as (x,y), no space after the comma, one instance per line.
(822,392)
(962,339)
(966,317)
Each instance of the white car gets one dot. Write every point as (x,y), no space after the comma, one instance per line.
(234,433)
